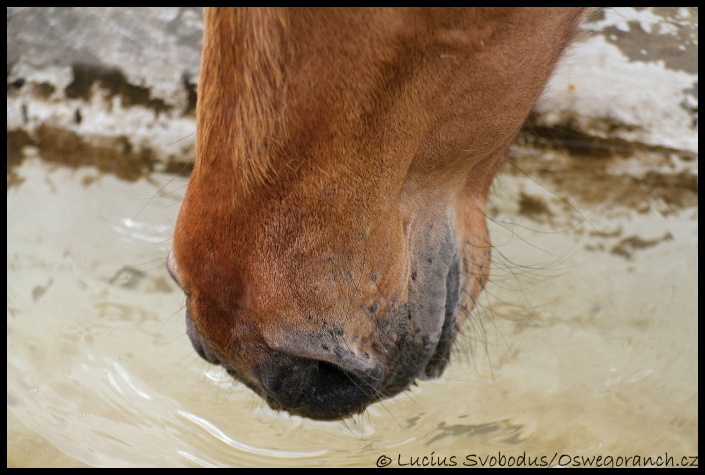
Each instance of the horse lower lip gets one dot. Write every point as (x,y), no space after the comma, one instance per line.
(441,355)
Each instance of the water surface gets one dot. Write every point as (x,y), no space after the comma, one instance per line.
(585,342)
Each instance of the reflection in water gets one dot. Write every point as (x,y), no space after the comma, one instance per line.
(576,348)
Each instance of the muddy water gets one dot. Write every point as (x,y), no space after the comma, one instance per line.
(585,342)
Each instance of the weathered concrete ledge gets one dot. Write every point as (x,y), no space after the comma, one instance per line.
(116,87)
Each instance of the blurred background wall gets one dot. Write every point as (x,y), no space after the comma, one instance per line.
(116,87)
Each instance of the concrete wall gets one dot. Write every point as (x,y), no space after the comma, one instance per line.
(633,76)
(116,87)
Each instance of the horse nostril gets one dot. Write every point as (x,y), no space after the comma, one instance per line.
(314,388)
(203,350)
(301,385)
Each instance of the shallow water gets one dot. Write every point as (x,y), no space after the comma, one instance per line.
(585,343)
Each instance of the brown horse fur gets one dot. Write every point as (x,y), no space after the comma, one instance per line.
(334,226)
